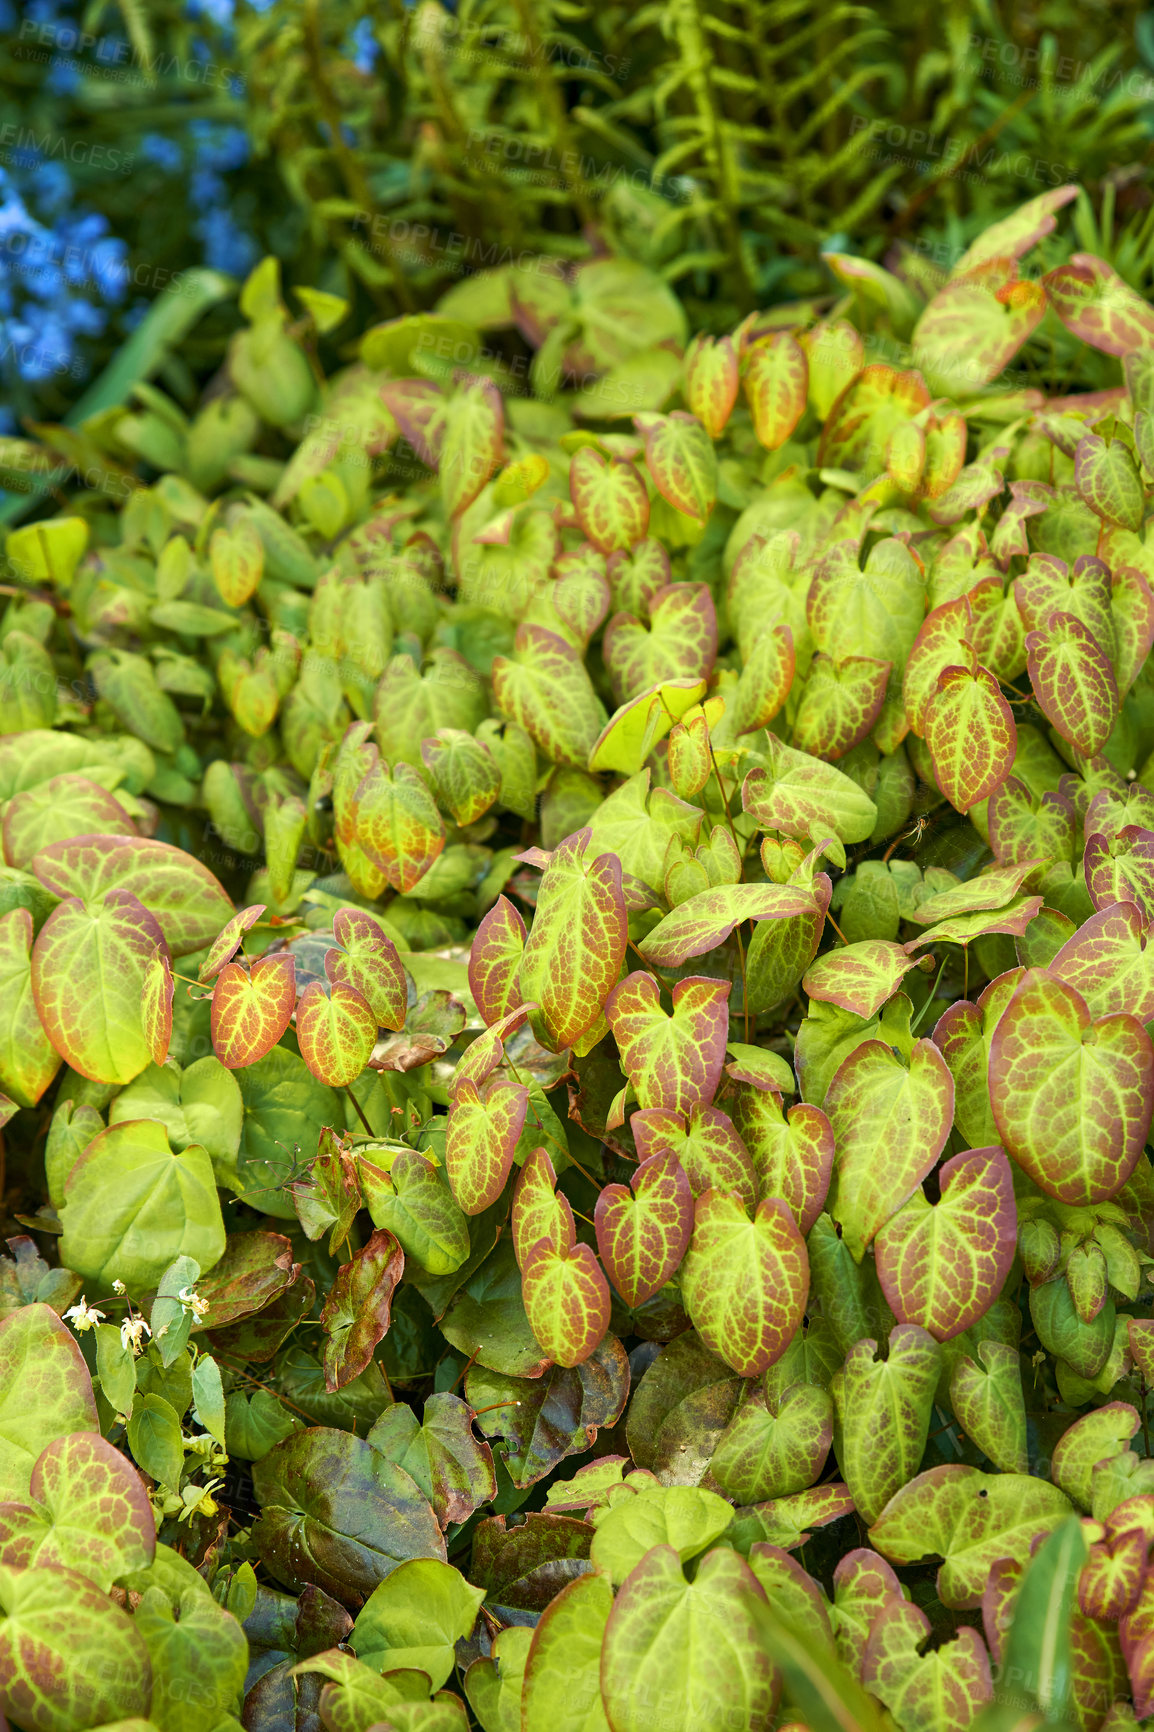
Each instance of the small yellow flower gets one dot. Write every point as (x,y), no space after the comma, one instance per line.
(119,1288)
(132,1333)
(192,1301)
(83,1316)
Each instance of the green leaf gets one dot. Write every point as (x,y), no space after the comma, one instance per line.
(1039,1644)
(775,375)
(69,1657)
(660,1625)
(199,1105)
(562,1687)
(1096,1437)
(643,1233)
(199,1659)
(969,1519)
(132,1206)
(971,735)
(1073,682)
(681,460)
(685,1517)
(943,1688)
(745,1281)
(883,1410)
(413,1201)
(337,1513)
(415,1618)
(440,1453)
(771,1451)
(989,1404)
(28,1059)
(155,1440)
(89,967)
(545,688)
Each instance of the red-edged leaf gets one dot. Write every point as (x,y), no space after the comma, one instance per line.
(567,1301)
(680,457)
(840,703)
(610,499)
(642,1236)
(494,960)
(672,1061)
(369,965)
(706,920)
(418,408)
(1028,826)
(890,1124)
(974,327)
(251,1008)
(711,381)
(1073,682)
(858,427)
(482,1056)
(1071,1096)
(1094,303)
(89,966)
(859,978)
(357,1312)
(397,824)
(156,1004)
(480,1140)
(179,892)
(745,1282)
(775,374)
(540,1212)
(942,1265)
(971,735)
(337,1032)
(1120,868)
(228,941)
(944,640)
(1112,1576)
(766,679)
(575,949)
(1048,585)
(679,641)
(1132,609)
(473,445)
(1107,477)
(945,1688)
(68,805)
(707,1147)
(1109,962)
(792,1152)
(28,1059)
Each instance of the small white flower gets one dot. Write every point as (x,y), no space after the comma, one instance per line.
(83,1316)
(119,1288)
(192,1301)
(132,1333)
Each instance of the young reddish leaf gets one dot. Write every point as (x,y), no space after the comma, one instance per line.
(690,761)
(883,1411)
(28,1059)
(494,961)
(228,941)
(792,1152)
(944,640)
(482,1056)
(971,735)
(706,920)
(890,1124)
(337,1032)
(156,1004)
(609,498)
(1048,585)
(680,457)
(858,426)
(745,1281)
(326,1200)
(480,1140)
(1109,961)
(1073,682)
(860,977)
(575,949)
(370,965)
(1072,1097)
(251,1008)
(1028,826)
(179,892)
(1019,233)
(357,1312)
(944,1688)
(672,1061)
(1094,303)
(567,1301)
(707,1147)
(418,408)
(397,824)
(862,1584)
(89,966)
(804,797)
(679,641)
(974,327)
(1112,1576)
(775,374)
(942,1265)
(711,381)
(840,703)
(1107,477)
(540,1212)
(1132,611)
(473,445)
(1120,868)
(643,1237)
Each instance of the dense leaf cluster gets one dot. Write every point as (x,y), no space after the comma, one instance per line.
(573,1021)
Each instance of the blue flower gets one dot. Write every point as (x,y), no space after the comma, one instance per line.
(164,152)
(361,46)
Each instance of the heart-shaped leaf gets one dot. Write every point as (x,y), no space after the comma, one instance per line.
(1109,962)
(679,641)
(643,1234)
(370,965)
(989,1404)
(251,1008)
(1073,682)
(1120,868)
(792,1152)
(680,457)
(87,1511)
(840,703)
(494,960)
(890,1124)
(802,796)
(68,1654)
(28,1059)
(609,498)
(1071,1096)
(674,1062)
(706,920)
(773,1451)
(775,374)
(482,1135)
(971,735)
(45,1393)
(180,893)
(89,967)
(944,1688)
(580,917)
(566,1301)
(745,1281)
(545,687)
(883,1409)
(454,1471)
(413,1200)
(942,1265)
(539,1211)
(397,824)
(707,1147)
(337,1032)
(859,977)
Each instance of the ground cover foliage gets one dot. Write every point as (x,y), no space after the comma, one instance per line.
(574,1019)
